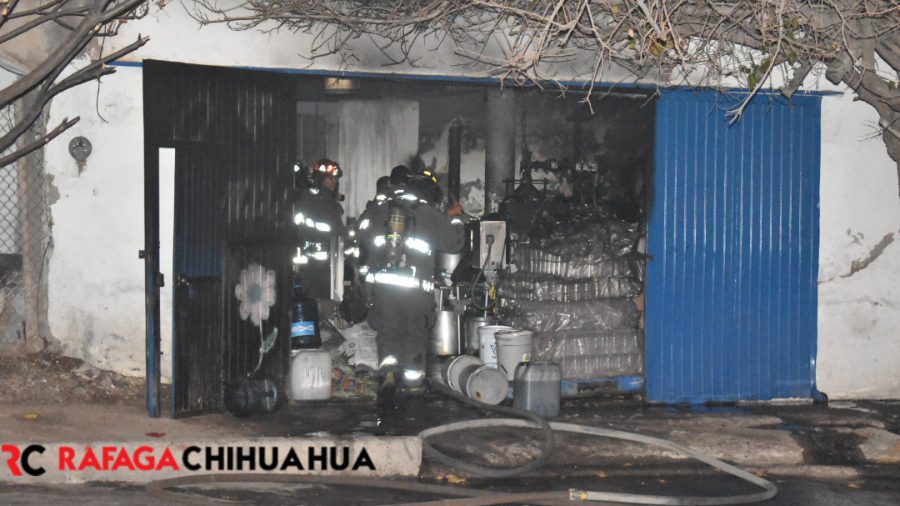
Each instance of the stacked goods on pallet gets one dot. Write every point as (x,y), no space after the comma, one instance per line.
(576,292)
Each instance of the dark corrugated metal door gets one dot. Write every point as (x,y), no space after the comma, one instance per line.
(733,240)
(233,134)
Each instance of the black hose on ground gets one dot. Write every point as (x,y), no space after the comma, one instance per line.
(492,472)
(464,496)
(474,497)
(159,488)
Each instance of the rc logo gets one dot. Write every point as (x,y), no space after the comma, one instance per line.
(17,460)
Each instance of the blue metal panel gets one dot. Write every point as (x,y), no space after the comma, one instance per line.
(733,239)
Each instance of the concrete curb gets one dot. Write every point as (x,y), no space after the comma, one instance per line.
(141,462)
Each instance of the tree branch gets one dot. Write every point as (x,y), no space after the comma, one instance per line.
(39,143)
(31,25)
(7,12)
(75,43)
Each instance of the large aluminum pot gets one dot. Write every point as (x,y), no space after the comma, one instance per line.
(472,324)
(447,262)
(445,334)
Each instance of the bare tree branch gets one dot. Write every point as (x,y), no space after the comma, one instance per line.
(39,143)
(94,19)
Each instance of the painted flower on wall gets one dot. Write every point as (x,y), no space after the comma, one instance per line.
(256,291)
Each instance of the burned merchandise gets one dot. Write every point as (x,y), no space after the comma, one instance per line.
(575,288)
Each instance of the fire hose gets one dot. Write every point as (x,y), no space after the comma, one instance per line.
(474,497)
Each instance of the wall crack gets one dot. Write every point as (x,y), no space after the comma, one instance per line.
(861,263)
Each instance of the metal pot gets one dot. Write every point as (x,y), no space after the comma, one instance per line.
(447,262)
(473,342)
(445,334)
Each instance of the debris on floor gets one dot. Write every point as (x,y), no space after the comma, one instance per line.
(353,382)
(50,379)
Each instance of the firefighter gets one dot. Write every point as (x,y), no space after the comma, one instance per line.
(319,217)
(401,233)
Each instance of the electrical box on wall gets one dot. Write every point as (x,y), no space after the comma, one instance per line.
(489,245)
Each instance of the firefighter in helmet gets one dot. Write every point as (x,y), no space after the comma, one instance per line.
(319,217)
(401,232)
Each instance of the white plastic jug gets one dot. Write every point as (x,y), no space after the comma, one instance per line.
(310,375)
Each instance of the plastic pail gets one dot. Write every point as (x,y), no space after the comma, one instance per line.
(513,347)
(487,344)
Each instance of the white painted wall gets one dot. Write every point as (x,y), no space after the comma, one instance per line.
(96,282)
(375,136)
(859,313)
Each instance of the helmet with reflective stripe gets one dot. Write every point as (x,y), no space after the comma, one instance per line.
(425,185)
(328,168)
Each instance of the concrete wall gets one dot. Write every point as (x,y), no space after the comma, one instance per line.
(375,136)
(96,282)
(859,256)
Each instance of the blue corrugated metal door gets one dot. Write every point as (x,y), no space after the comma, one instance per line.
(733,243)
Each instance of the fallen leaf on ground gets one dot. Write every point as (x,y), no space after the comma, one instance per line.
(853,485)
(30,416)
(600,474)
(156,434)
(456,480)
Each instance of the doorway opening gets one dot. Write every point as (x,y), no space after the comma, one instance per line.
(574,199)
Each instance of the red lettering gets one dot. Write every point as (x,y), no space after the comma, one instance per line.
(89,460)
(66,454)
(144,464)
(13,461)
(107,456)
(123,460)
(167,460)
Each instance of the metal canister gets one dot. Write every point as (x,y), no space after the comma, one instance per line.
(458,369)
(486,384)
(397,224)
(445,334)
(472,324)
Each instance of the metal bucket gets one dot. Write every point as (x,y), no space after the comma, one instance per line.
(445,334)
(486,384)
(513,347)
(472,324)
(455,369)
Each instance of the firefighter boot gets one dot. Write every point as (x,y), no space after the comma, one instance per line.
(387,389)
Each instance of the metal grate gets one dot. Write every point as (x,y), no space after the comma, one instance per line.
(24,236)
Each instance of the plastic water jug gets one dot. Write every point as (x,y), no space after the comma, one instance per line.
(304,321)
(310,375)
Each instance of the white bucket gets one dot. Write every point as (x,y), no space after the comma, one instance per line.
(487,350)
(486,384)
(513,347)
(457,367)
(310,375)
